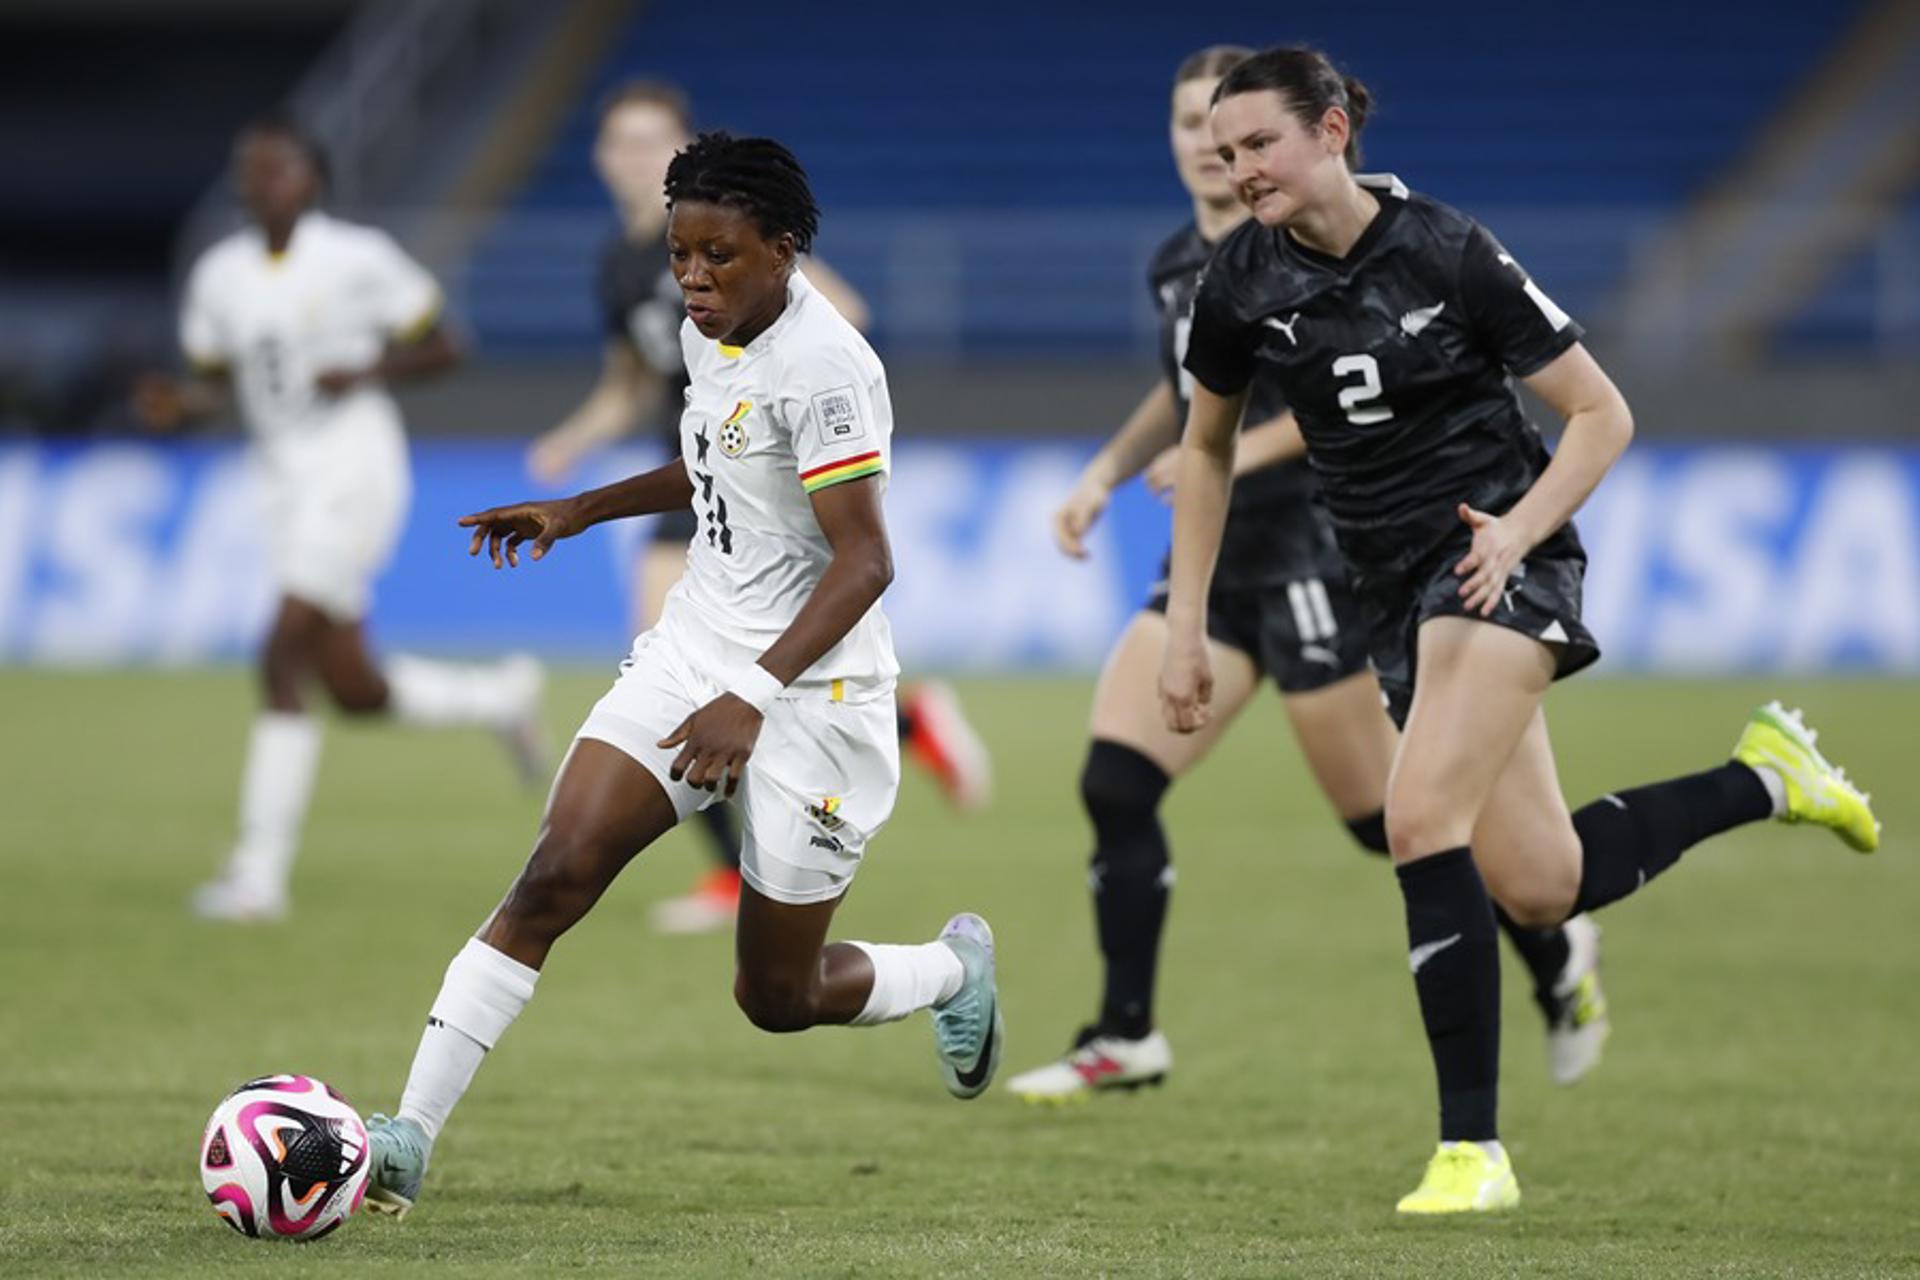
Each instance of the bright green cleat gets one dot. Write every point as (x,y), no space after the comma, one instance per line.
(967,1029)
(1776,739)
(400,1151)
(1464,1177)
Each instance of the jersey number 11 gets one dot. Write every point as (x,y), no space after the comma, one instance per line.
(718,534)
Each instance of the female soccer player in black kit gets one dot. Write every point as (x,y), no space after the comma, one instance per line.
(1279,608)
(1392,324)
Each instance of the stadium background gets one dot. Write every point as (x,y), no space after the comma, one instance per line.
(1730,207)
(1730,200)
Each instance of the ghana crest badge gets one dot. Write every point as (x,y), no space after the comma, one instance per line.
(733,436)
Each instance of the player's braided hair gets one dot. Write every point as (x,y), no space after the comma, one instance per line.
(1309,83)
(757,176)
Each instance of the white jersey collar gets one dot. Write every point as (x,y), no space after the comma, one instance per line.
(304,228)
(1386,182)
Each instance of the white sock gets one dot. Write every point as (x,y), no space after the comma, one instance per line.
(906,978)
(1776,787)
(443,1067)
(483,993)
(283,754)
(439,694)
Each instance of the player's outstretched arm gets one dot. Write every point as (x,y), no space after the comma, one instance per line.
(503,530)
(1153,426)
(716,741)
(1199,516)
(1599,426)
(627,385)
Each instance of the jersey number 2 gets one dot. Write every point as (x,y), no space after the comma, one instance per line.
(1358,400)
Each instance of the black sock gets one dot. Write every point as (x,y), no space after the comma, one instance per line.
(723,834)
(1628,838)
(1121,789)
(1455,954)
(1370,831)
(1543,951)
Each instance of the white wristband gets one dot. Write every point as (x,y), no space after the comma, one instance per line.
(756,687)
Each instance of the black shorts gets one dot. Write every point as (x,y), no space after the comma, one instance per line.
(676,526)
(1542,600)
(1305,633)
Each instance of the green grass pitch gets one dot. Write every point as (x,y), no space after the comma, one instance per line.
(1758,1113)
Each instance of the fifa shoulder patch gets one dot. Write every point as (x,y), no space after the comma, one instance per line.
(837,413)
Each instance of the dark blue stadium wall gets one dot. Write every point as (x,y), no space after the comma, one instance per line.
(1574,129)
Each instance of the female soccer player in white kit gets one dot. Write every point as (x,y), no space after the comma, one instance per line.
(643,123)
(769,678)
(308,318)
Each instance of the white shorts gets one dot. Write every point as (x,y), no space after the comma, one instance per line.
(821,781)
(335,505)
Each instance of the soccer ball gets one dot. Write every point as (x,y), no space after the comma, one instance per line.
(285,1157)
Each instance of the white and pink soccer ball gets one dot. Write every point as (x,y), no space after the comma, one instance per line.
(284,1157)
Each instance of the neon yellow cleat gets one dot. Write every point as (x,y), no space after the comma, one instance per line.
(1464,1177)
(1776,739)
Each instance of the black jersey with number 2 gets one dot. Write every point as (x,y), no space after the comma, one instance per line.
(641,304)
(1275,530)
(1396,360)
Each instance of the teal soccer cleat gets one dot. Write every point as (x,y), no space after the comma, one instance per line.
(400,1151)
(967,1029)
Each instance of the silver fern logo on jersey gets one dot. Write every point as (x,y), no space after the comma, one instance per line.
(733,432)
(1415,322)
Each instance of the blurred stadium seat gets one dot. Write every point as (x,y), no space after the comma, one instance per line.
(1577,135)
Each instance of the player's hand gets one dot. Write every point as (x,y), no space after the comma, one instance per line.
(337,382)
(552,458)
(159,402)
(1186,684)
(1497,548)
(504,529)
(714,743)
(1079,513)
(1163,473)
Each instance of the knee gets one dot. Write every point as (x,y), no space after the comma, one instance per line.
(774,1004)
(285,661)
(1370,832)
(1121,789)
(358,698)
(1417,825)
(1120,786)
(553,890)
(1540,898)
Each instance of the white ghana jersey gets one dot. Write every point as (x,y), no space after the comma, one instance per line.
(802,407)
(332,300)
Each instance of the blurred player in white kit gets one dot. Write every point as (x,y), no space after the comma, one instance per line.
(305,319)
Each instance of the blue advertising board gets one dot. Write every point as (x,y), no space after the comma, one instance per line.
(1704,559)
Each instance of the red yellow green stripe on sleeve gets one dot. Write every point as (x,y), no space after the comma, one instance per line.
(830,473)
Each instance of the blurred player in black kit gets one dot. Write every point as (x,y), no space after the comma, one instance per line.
(642,380)
(1279,608)
(1393,325)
